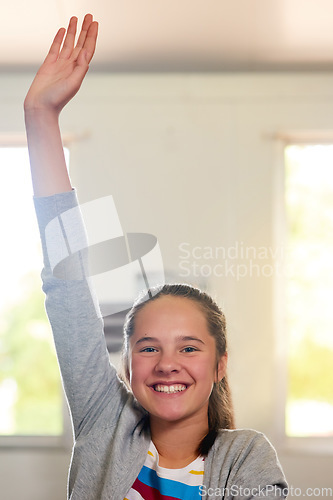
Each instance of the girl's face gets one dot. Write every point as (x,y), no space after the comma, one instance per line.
(172,360)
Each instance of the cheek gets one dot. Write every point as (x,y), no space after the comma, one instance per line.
(138,371)
(206,371)
(131,370)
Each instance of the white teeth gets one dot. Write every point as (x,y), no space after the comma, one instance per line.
(170,388)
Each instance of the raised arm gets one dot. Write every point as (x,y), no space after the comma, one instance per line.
(56,83)
(89,380)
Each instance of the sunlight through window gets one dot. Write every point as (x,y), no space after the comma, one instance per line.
(309,266)
(30,389)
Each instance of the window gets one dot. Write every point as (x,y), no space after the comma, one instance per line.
(30,390)
(309,289)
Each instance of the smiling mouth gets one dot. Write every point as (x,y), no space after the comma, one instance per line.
(169,389)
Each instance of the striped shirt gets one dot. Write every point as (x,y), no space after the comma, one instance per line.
(157,483)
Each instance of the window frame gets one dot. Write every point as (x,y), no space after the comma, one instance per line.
(64,440)
(314,445)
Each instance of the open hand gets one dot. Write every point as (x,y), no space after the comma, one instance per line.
(60,76)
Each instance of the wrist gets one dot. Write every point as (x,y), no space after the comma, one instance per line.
(40,116)
(39,111)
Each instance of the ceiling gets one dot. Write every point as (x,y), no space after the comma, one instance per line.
(178,35)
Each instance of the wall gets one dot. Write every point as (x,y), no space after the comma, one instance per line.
(193,159)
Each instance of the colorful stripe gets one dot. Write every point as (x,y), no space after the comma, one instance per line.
(167,488)
(158,483)
(149,493)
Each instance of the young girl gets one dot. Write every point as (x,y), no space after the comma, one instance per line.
(168,431)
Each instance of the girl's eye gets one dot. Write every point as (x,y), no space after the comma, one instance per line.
(148,349)
(189,349)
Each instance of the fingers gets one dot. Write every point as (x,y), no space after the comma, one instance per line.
(85,27)
(56,44)
(87,39)
(90,41)
(69,41)
(65,48)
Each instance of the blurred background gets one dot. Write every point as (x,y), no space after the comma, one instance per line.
(211,124)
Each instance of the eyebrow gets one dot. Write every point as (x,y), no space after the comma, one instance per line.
(186,338)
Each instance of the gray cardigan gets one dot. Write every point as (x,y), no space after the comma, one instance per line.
(111,430)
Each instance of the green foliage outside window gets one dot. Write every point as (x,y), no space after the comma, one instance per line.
(30,388)
(309,207)
(29,375)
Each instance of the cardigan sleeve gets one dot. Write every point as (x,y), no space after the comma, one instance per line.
(243,465)
(257,471)
(89,380)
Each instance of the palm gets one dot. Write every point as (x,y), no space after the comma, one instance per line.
(60,76)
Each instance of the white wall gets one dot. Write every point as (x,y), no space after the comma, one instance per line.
(193,160)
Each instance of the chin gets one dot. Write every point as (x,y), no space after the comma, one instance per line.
(169,417)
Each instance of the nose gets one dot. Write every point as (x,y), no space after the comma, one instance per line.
(167,363)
